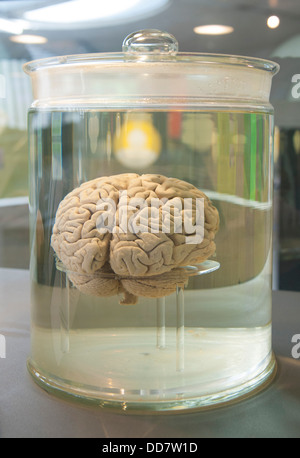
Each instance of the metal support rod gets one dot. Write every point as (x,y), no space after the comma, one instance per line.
(180,329)
(65,315)
(161,323)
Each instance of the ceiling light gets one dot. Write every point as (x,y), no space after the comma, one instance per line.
(28,39)
(80,13)
(273,22)
(79,10)
(11,26)
(213,29)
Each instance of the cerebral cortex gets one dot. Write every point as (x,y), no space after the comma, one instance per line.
(136,229)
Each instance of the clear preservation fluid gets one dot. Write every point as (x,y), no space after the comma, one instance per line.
(207,343)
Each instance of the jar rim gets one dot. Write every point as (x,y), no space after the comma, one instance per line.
(120,59)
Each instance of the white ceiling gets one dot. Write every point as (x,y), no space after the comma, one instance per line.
(248,17)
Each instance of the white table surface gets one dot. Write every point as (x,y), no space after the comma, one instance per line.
(27,411)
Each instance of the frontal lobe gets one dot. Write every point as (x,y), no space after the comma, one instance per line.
(163,242)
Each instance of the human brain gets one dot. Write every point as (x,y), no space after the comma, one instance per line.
(136,227)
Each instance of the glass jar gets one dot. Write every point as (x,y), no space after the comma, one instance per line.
(151,226)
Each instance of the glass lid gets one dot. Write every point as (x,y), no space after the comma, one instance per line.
(150,67)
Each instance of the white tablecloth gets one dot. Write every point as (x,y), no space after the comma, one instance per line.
(28,411)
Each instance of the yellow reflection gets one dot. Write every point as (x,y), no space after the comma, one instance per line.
(137,144)
(296,141)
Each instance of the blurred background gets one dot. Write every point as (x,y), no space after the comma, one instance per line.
(267,29)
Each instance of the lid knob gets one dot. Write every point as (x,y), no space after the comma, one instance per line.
(150,41)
